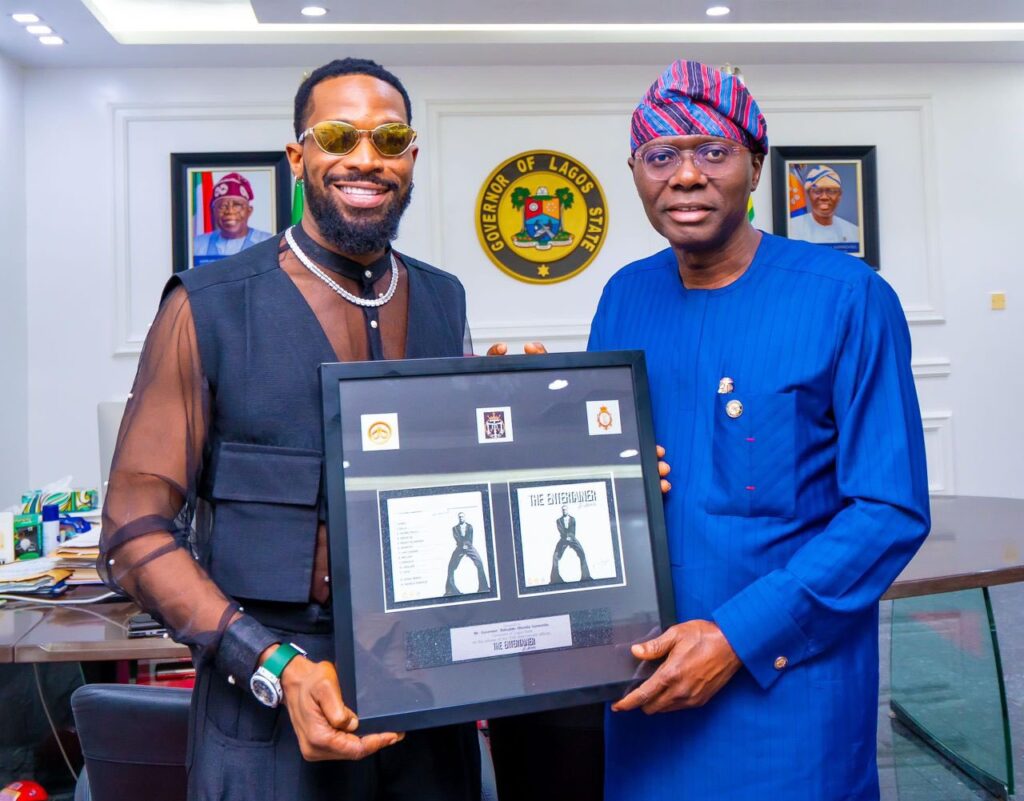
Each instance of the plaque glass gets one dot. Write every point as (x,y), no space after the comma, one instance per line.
(497,537)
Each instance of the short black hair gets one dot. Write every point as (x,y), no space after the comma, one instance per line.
(343,66)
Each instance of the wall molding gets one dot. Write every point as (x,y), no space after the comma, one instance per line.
(931,368)
(931,311)
(938,437)
(437,111)
(928,312)
(123,116)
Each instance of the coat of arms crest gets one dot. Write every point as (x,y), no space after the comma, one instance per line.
(542,217)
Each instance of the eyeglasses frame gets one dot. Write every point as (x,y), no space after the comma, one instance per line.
(735,147)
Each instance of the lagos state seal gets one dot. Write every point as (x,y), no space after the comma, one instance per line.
(541,216)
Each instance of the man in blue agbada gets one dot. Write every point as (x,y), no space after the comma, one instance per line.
(782,390)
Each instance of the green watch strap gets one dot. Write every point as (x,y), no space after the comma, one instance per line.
(279,659)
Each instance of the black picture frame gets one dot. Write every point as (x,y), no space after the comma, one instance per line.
(401,668)
(267,168)
(853,164)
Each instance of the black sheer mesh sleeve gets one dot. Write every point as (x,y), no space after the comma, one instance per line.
(147,546)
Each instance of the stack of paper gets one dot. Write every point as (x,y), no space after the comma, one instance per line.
(73,562)
(80,554)
(31,576)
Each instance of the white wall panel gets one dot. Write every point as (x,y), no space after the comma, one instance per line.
(938,441)
(469,140)
(900,129)
(13,293)
(144,136)
(98,218)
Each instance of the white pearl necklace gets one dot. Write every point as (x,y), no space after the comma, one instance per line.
(358,301)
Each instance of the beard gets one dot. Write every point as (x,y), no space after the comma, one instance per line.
(356,236)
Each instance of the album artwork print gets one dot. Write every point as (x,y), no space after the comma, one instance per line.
(437,546)
(566,535)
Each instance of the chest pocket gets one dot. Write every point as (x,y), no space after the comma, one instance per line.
(754,456)
(265,517)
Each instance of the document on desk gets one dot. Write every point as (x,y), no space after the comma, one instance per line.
(31,575)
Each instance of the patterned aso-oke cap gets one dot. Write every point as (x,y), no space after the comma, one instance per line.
(694,99)
(822,176)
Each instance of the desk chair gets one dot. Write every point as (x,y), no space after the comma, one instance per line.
(134,740)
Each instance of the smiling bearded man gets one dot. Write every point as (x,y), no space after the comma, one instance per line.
(782,392)
(224,424)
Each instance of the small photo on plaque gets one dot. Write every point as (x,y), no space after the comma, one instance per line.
(603,418)
(437,546)
(566,535)
(380,432)
(494,425)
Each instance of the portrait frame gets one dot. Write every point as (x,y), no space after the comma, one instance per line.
(519,647)
(269,169)
(856,166)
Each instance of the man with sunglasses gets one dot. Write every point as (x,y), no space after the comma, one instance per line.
(782,390)
(224,427)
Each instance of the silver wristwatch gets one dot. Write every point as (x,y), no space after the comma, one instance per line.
(266,681)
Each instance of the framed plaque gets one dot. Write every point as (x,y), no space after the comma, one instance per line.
(497,538)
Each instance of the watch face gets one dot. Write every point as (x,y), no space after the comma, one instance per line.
(264,691)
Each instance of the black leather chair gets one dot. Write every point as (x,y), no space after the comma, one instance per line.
(133,739)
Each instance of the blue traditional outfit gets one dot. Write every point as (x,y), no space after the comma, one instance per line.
(214,246)
(787,407)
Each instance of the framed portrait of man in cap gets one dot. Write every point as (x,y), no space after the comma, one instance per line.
(828,196)
(223,203)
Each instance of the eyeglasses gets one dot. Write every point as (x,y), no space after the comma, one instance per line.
(831,192)
(339,138)
(713,159)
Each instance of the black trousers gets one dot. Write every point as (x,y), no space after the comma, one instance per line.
(556,576)
(240,750)
(473,555)
(550,756)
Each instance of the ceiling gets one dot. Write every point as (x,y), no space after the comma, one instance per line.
(150,33)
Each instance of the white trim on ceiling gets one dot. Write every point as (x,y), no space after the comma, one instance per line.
(234,22)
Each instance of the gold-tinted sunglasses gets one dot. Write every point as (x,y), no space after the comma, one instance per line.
(338,138)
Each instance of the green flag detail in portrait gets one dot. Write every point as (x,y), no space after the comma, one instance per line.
(202,194)
(297,202)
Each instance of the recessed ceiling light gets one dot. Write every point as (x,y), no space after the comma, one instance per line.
(314,11)
(717,11)
(38,30)
(24,19)
(51,40)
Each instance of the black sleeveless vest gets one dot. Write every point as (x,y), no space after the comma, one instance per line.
(260,346)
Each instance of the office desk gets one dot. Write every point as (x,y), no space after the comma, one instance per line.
(15,624)
(946,673)
(91,633)
(78,633)
(974,543)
